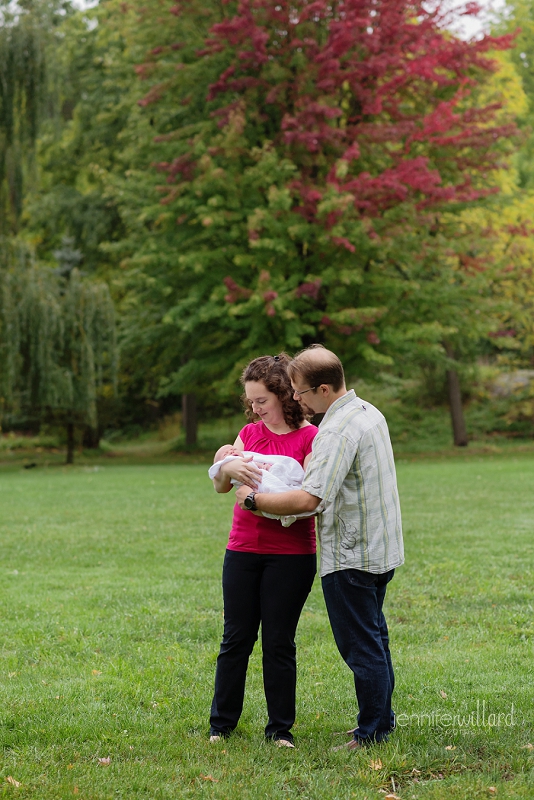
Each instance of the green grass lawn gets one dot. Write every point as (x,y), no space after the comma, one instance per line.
(111,615)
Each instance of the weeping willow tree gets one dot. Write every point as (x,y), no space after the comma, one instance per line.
(28,49)
(58,348)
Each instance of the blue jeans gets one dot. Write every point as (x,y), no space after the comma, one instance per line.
(354,602)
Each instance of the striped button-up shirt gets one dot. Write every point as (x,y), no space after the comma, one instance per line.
(353,472)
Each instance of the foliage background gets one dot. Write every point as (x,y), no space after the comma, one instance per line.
(244,199)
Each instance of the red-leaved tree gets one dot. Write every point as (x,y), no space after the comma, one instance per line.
(313,168)
(365,97)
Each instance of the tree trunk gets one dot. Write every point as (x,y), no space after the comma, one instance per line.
(189,415)
(70,443)
(457,413)
(91,438)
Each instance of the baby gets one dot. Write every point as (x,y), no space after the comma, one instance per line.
(278,473)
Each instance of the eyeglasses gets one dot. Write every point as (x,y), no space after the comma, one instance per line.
(304,392)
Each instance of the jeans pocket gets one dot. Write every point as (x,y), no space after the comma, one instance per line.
(357,577)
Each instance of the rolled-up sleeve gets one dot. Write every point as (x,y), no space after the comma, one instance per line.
(333,456)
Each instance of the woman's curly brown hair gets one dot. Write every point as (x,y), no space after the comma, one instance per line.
(272,372)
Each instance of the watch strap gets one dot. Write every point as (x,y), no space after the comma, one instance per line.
(251,504)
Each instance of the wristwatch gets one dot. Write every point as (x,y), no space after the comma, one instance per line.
(250,502)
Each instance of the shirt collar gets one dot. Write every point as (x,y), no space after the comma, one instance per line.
(339,403)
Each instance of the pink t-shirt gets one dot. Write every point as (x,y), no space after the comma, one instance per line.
(252,534)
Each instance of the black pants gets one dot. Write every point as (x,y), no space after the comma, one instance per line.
(270,589)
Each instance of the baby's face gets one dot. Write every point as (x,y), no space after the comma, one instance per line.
(226,450)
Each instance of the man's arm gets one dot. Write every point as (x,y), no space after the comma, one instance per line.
(282,504)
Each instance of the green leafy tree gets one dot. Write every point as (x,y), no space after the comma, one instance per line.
(511,223)
(28,37)
(308,164)
(101,135)
(254,178)
(519,17)
(79,142)
(57,342)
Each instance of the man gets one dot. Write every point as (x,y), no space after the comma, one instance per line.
(351,485)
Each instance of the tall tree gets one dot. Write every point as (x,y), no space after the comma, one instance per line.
(27,32)
(101,134)
(312,152)
(511,222)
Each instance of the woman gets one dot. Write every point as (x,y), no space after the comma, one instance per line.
(268,569)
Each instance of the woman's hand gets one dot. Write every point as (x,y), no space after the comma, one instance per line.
(243,470)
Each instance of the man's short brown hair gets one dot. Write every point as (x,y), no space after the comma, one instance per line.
(316,365)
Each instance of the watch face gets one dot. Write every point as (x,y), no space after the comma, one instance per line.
(249,502)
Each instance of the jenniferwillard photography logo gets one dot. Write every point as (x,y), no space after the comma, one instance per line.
(481,717)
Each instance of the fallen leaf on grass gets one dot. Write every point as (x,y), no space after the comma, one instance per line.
(528,746)
(105,761)
(450,747)
(209,778)
(443,694)
(392,797)
(376,764)
(75,790)
(96,672)
(12,781)
(492,790)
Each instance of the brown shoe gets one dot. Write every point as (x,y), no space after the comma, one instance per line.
(354,744)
